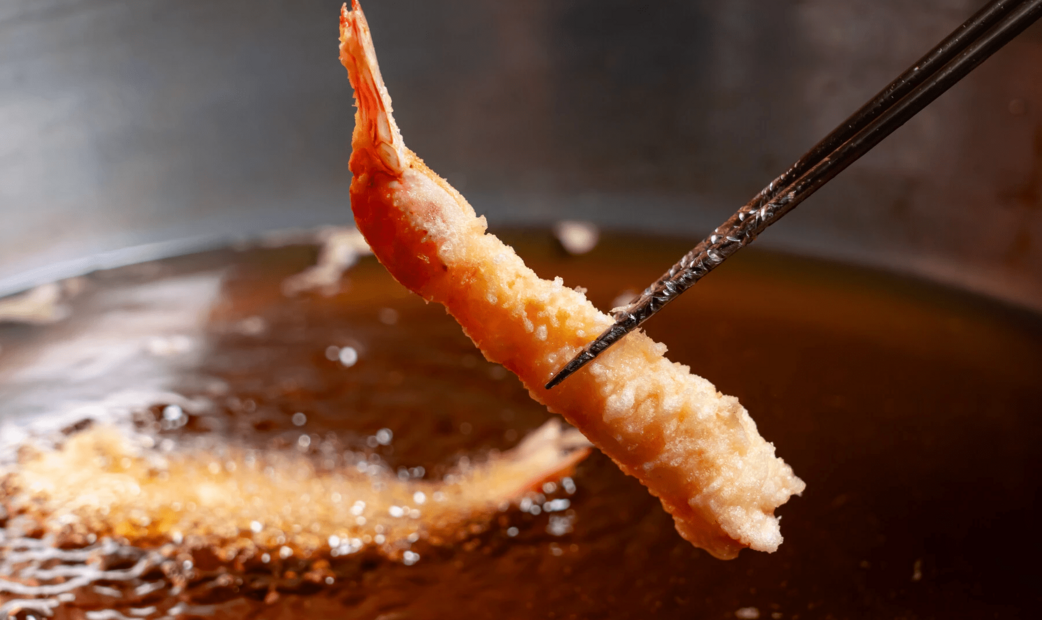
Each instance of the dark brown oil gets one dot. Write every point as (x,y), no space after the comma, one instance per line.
(911,411)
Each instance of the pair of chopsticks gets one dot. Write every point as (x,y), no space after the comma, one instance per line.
(967,47)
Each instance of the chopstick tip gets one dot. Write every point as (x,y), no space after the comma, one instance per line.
(561,375)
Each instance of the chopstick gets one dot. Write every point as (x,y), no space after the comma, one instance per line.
(952,59)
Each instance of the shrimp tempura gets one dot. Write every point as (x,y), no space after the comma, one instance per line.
(219,495)
(694,448)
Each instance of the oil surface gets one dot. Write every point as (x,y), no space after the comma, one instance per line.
(911,411)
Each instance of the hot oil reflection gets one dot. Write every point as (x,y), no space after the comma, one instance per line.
(125,347)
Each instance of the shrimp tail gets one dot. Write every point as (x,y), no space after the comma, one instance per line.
(376,141)
(380,163)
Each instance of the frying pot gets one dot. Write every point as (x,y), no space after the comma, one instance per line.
(132,131)
(136,129)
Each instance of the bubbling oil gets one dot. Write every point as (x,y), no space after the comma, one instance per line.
(196,440)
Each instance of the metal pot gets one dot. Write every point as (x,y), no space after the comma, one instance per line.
(135,130)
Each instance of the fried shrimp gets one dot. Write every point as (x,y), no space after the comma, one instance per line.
(694,448)
(102,482)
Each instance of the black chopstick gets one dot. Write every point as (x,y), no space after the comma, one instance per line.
(947,63)
(935,59)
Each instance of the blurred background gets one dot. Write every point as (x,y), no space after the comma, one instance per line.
(131,130)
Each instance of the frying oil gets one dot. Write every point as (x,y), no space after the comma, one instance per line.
(330,419)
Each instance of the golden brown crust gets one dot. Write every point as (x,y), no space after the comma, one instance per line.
(103,482)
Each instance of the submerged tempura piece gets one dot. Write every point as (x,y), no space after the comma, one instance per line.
(104,482)
(340,249)
(694,448)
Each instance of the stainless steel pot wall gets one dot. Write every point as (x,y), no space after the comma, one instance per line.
(130,129)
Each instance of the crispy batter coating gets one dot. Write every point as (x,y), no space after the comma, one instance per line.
(102,481)
(694,448)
